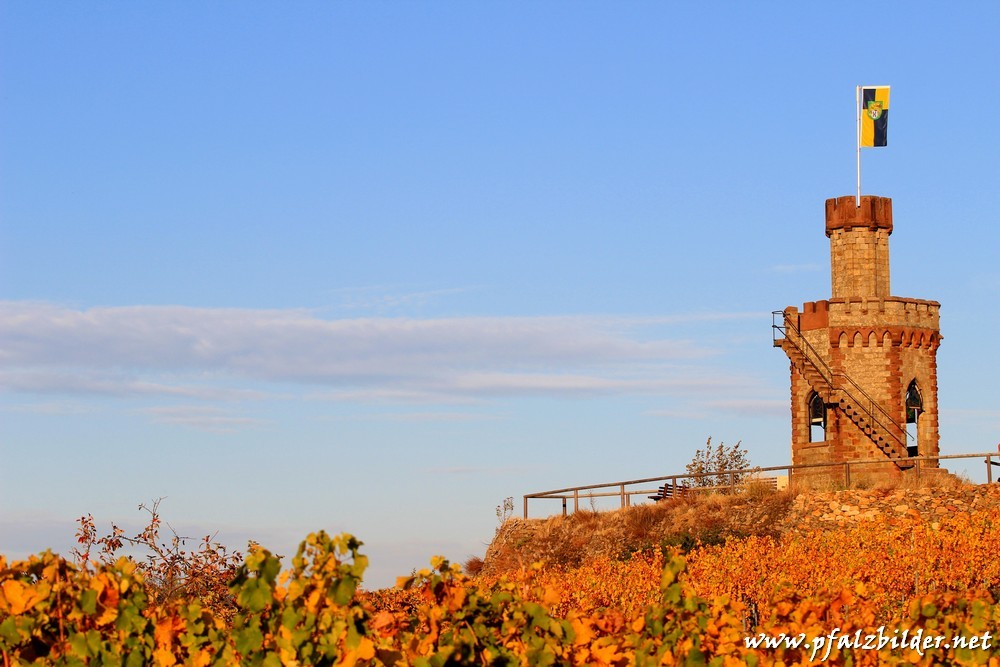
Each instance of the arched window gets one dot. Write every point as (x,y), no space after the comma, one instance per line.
(914,408)
(817,419)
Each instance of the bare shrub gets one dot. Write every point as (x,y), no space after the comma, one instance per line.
(172,570)
(716,460)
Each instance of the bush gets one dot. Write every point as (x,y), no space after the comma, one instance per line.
(716,460)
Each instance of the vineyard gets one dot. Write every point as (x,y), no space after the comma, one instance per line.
(658,605)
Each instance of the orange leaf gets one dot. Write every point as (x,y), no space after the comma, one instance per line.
(163,657)
(19,597)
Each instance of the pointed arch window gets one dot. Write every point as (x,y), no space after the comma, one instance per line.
(817,418)
(914,408)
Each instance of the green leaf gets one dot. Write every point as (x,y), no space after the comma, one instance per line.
(88,601)
(290,618)
(248,641)
(129,617)
(9,632)
(255,595)
(343,592)
(79,644)
(134,659)
(111,658)
(94,641)
(270,568)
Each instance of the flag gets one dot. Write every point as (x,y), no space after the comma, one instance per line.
(874,115)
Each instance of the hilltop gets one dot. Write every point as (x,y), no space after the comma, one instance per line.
(690,520)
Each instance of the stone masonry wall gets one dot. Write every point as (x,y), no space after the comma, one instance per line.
(817,510)
(860,263)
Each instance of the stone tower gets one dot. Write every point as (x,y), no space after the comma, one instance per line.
(863,363)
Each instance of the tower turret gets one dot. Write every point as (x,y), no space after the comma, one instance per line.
(863,363)
(859,246)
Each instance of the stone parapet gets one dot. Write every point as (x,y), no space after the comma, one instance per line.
(859,312)
(891,311)
(873,213)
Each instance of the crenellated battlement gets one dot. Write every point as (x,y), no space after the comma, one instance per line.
(861,312)
(895,322)
(892,312)
(815,315)
(844,213)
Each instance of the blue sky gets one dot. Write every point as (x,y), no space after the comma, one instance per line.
(374,267)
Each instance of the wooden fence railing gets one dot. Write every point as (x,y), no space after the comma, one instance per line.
(625,491)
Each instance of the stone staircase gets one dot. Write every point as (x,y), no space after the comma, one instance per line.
(867,424)
(833,389)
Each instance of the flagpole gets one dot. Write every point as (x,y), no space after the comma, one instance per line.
(857,111)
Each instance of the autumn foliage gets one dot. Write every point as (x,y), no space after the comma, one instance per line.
(652,607)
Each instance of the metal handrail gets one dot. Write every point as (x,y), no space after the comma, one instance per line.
(833,374)
(620,490)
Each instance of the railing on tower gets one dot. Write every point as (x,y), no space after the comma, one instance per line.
(869,405)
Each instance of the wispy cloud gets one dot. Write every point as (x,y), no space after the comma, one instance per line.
(296,345)
(49,408)
(394,395)
(205,418)
(220,354)
(84,380)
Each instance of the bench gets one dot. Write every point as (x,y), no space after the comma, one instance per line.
(675,490)
(669,491)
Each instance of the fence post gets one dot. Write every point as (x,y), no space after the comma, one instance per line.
(673,488)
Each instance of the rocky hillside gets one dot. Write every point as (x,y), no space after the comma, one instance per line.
(687,521)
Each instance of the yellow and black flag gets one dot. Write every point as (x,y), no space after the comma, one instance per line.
(874,115)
